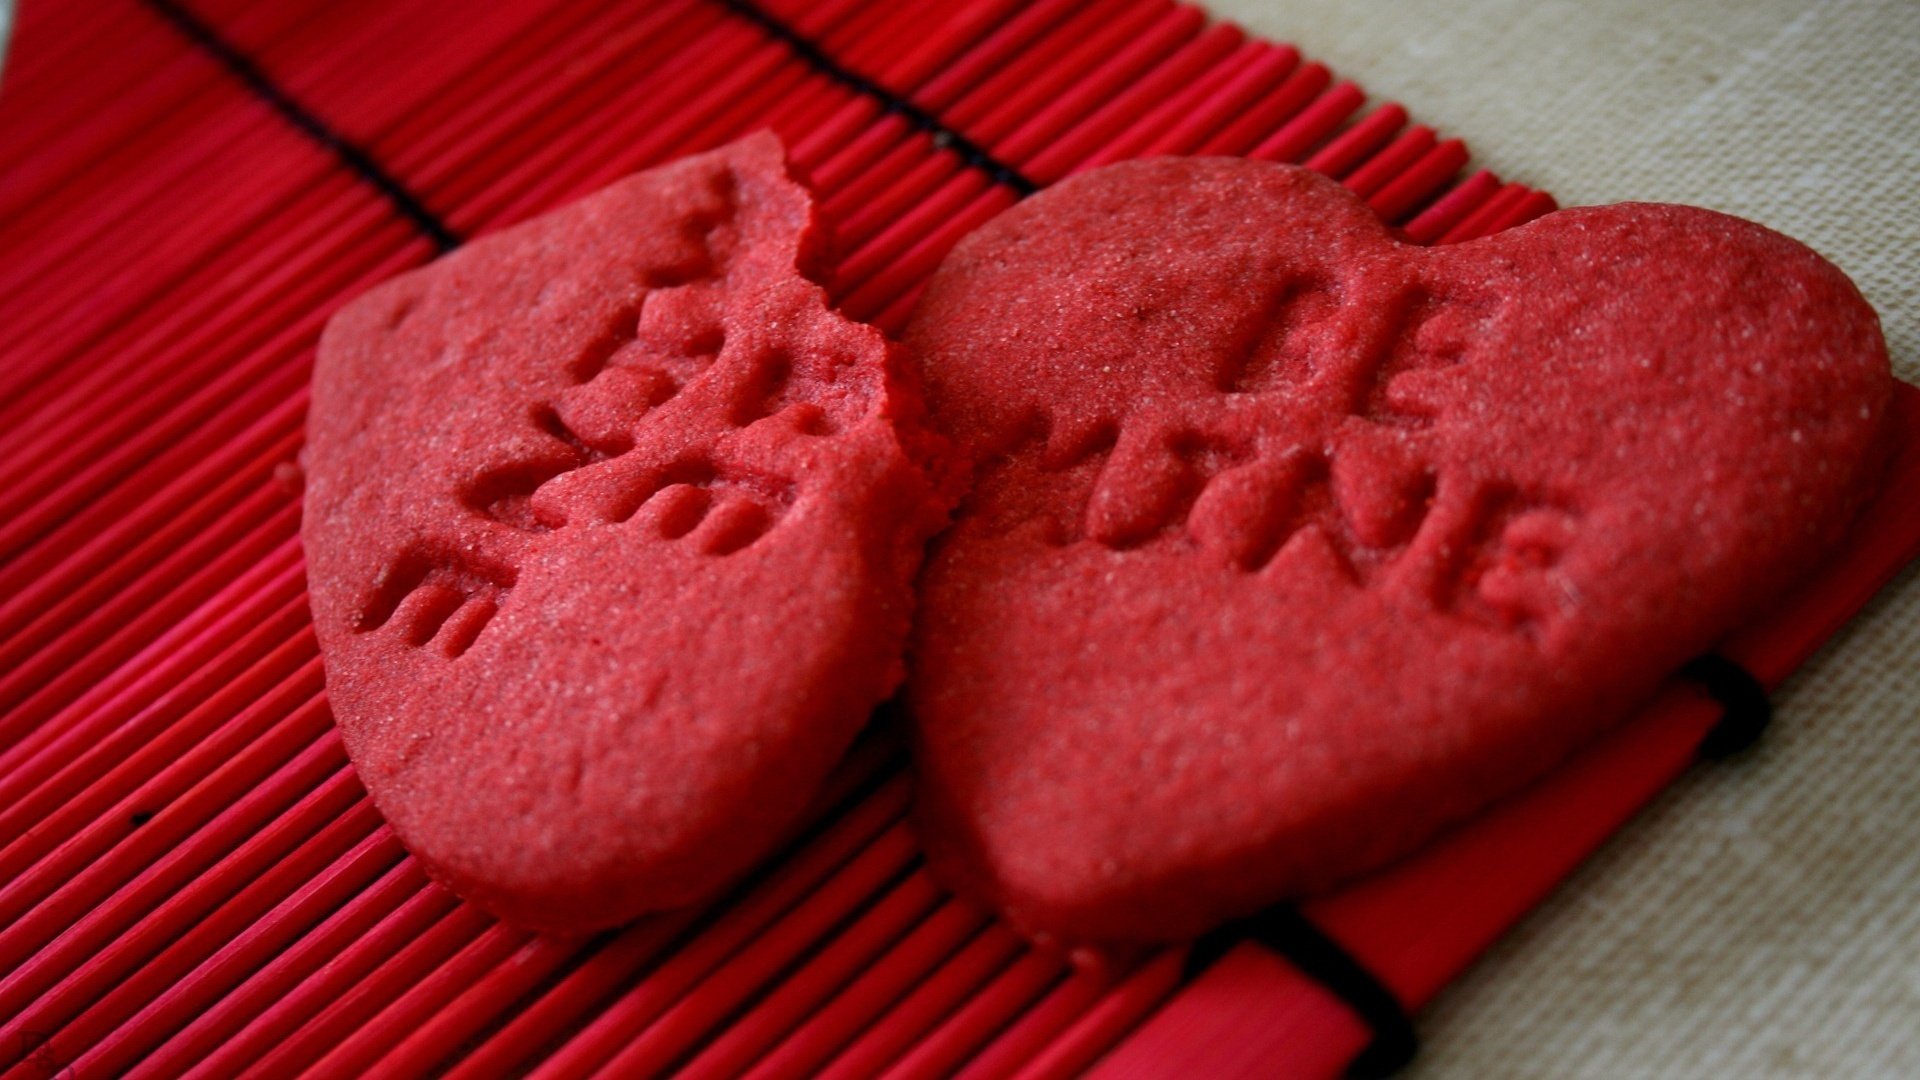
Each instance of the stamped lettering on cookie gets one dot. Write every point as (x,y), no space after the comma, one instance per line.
(1292,543)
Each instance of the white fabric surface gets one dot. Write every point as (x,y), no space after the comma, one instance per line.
(1763,918)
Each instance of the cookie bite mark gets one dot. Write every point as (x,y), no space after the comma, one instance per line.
(674,658)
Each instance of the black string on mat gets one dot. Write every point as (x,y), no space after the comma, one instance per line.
(1283,929)
(1746,710)
(350,154)
(968,151)
(1295,938)
(443,238)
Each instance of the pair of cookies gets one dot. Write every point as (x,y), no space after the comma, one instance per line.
(1279,544)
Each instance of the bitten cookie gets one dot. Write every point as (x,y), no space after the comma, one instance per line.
(1292,544)
(611,525)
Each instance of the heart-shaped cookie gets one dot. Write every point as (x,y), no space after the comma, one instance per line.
(1291,543)
(611,526)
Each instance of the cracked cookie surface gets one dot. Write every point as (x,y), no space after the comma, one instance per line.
(1291,544)
(611,525)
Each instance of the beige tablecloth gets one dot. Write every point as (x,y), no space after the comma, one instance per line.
(1763,918)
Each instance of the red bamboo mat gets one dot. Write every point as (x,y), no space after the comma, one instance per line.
(191,879)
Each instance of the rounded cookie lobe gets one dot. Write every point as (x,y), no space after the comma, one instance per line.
(611,525)
(1291,544)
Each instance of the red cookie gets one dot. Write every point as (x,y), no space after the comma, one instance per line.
(611,526)
(1292,544)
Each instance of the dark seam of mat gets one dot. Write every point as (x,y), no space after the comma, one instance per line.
(968,151)
(1286,931)
(349,154)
